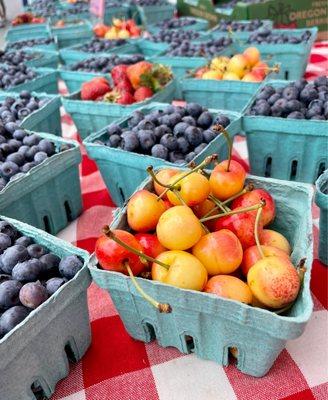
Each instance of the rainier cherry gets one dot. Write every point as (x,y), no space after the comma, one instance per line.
(150,244)
(229,287)
(268,237)
(164,175)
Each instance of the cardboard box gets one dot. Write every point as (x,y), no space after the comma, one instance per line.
(284,13)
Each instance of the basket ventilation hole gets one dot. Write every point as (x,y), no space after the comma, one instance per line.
(122,194)
(286,75)
(268,166)
(293,170)
(151,331)
(68,211)
(190,344)
(70,353)
(321,169)
(46,223)
(38,391)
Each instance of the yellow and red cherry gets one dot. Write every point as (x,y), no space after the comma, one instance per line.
(254,197)
(163,176)
(229,287)
(252,256)
(269,237)
(206,208)
(150,244)
(113,257)
(274,281)
(220,252)
(144,210)
(178,228)
(252,55)
(192,189)
(227,180)
(185,271)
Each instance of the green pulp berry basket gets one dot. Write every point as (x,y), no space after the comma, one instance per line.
(44,58)
(239,35)
(37,349)
(211,323)
(117,166)
(290,149)
(292,57)
(45,119)
(73,54)
(201,25)
(72,33)
(321,199)
(27,199)
(27,31)
(148,15)
(91,116)
(115,12)
(44,82)
(52,46)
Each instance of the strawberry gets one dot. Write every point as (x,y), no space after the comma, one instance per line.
(142,93)
(92,90)
(101,80)
(124,86)
(125,98)
(119,73)
(135,71)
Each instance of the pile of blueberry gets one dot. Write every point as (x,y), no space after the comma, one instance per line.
(266,35)
(232,3)
(175,23)
(17,57)
(149,2)
(16,109)
(28,43)
(297,100)
(13,75)
(29,275)
(100,45)
(20,151)
(105,64)
(175,37)
(176,134)
(238,26)
(205,49)
(44,8)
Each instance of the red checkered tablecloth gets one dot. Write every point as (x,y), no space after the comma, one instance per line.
(116,367)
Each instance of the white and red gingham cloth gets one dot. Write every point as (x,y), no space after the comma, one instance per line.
(116,367)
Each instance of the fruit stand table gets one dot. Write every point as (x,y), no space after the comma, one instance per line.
(116,367)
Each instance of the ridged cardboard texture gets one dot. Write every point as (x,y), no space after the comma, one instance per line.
(147,15)
(34,351)
(217,324)
(27,31)
(72,34)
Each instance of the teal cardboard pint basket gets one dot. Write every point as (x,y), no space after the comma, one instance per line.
(321,199)
(91,116)
(37,349)
(27,31)
(116,165)
(43,59)
(283,148)
(209,325)
(195,24)
(45,119)
(239,34)
(72,33)
(115,12)
(148,15)
(27,198)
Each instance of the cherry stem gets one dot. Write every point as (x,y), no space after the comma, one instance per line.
(256,230)
(178,195)
(220,129)
(111,235)
(208,160)
(239,211)
(218,204)
(163,308)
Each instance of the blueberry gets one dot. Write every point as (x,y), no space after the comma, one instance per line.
(321,81)
(69,266)
(222,120)
(180,128)
(19,134)
(24,241)
(11,127)
(273,98)
(169,141)
(27,271)
(16,158)
(14,144)
(308,94)
(137,116)
(205,120)
(130,141)
(293,105)
(300,83)
(113,129)
(190,156)
(159,151)
(200,148)
(40,156)
(4,277)
(194,109)
(53,284)
(27,166)
(8,229)
(208,135)
(147,139)
(36,250)
(174,119)
(5,242)
(176,157)
(50,264)
(146,125)
(31,140)
(296,115)
(24,94)
(161,130)
(189,120)
(31,152)
(290,93)
(9,293)
(12,317)
(114,141)
(9,169)
(170,109)
(318,117)
(23,149)
(263,109)
(183,145)
(33,294)
(47,147)
(194,135)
